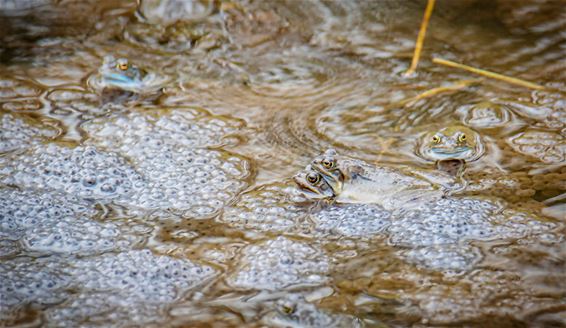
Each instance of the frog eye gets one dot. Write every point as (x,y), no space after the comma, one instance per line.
(313,178)
(328,163)
(462,137)
(287,309)
(122,66)
(436,139)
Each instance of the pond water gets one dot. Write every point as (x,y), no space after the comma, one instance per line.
(147,152)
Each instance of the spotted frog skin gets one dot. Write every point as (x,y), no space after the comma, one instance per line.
(355,181)
(294,311)
(451,143)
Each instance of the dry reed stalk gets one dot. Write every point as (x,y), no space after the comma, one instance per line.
(489,74)
(434,91)
(420,38)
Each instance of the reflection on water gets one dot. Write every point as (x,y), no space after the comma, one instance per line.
(154,187)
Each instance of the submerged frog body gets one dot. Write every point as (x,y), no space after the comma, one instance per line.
(451,143)
(294,311)
(355,181)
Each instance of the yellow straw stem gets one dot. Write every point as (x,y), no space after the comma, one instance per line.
(420,38)
(489,74)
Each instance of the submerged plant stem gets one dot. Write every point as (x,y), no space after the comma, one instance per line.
(421,37)
(489,74)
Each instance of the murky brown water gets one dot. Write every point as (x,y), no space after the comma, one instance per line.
(172,204)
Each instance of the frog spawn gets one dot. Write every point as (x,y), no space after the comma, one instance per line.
(16,133)
(25,281)
(280,263)
(184,174)
(126,283)
(437,234)
(268,208)
(180,176)
(144,127)
(39,223)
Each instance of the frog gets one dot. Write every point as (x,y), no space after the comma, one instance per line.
(355,181)
(313,185)
(294,311)
(454,147)
(120,73)
(119,80)
(453,142)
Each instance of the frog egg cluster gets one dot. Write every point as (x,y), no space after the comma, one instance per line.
(25,280)
(139,276)
(548,147)
(126,283)
(101,310)
(14,88)
(20,210)
(56,224)
(133,132)
(166,148)
(445,221)
(198,181)
(352,220)
(8,247)
(280,263)
(268,208)
(15,133)
(452,258)
(476,296)
(453,220)
(82,171)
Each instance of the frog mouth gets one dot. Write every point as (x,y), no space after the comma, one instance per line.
(450,151)
(119,78)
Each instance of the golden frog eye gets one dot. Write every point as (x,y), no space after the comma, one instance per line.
(436,139)
(122,66)
(462,137)
(328,163)
(313,178)
(287,309)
